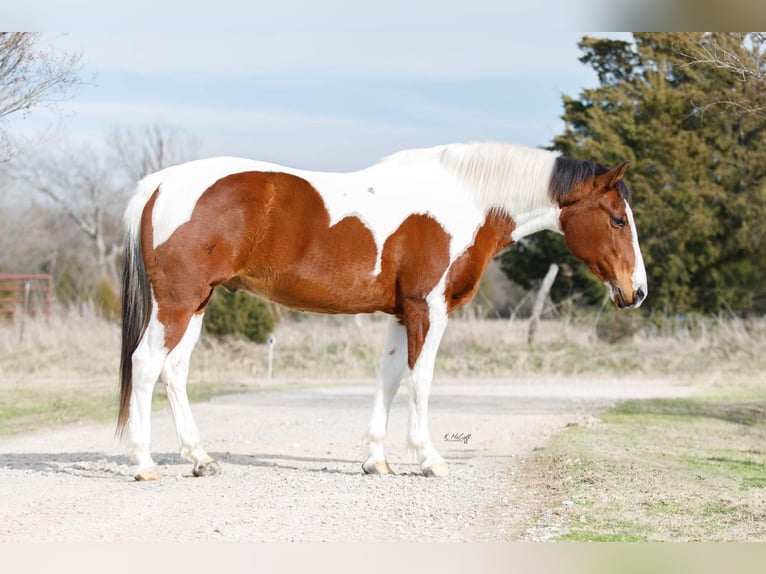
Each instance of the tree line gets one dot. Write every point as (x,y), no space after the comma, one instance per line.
(687,109)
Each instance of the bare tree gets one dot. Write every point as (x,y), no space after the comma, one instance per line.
(31,76)
(91,188)
(743,55)
(140,152)
(79,183)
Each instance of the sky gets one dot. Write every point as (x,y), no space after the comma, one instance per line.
(317,85)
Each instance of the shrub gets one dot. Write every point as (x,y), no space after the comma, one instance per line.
(619,326)
(239,313)
(106,299)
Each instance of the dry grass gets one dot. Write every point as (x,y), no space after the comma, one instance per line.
(72,348)
(66,368)
(67,348)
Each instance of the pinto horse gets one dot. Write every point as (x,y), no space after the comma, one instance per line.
(409,236)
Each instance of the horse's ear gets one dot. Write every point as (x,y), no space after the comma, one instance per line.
(613,176)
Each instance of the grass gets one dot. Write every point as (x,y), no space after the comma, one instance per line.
(75,347)
(746,413)
(661,470)
(26,409)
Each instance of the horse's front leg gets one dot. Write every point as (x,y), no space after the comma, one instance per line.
(425,328)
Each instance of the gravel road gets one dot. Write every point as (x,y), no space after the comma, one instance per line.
(290,460)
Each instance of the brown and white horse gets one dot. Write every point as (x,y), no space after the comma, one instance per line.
(409,236)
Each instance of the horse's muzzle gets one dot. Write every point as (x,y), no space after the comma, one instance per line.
(620,300)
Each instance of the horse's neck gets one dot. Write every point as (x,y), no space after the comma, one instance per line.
(509,178)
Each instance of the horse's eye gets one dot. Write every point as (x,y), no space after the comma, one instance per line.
(618,221)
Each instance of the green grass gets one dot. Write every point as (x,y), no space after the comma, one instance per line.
(662,470)
(615,534)
(28,409)
(23,410)
(741,412)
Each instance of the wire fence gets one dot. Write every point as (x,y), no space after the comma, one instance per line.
(28,294)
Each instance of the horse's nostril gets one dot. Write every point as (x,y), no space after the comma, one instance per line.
(640,294)
(619,297)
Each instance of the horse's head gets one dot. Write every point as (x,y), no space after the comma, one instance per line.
(599,229)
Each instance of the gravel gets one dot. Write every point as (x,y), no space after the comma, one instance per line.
(291,461)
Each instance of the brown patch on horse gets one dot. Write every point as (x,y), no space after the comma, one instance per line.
(415,257)
(465,273)
(270,233)
(183,270)
(294,256)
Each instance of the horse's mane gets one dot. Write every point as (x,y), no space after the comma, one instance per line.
(568,172)
(499,173)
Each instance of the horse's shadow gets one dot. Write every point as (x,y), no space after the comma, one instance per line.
(101,465)
(290,462)
(82,463)
(313,464)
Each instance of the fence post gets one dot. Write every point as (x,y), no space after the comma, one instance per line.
(24,310)
(542,294)
(272,342)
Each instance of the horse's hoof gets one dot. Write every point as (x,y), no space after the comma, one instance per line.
(207,469)
(377,468)
(436,469)
(151,473)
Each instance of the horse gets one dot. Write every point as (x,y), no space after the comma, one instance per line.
(409,236)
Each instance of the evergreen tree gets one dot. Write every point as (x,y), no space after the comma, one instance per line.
(697,172)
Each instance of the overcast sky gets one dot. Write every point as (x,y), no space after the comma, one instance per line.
(330,85)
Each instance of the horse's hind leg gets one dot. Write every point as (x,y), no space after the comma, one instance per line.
(392,367)
(148,360)
(174,375)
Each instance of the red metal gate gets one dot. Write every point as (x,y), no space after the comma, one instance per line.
(29,293)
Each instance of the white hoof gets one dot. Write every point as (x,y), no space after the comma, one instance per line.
(209,468)
(378,468)
(149,473)
(436,469)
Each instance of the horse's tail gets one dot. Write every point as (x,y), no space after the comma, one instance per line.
(135,291)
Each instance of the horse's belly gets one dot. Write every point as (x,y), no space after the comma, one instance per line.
(333,292)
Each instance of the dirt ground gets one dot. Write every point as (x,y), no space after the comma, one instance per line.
(290,460)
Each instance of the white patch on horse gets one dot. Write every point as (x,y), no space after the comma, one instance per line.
(639,270)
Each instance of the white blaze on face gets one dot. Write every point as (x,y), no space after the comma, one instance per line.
(639,271)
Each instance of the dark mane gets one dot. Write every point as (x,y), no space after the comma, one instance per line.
(569,172)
